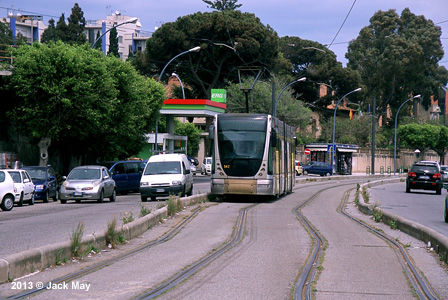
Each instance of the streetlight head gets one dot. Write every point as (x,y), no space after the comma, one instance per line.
(357,90)
(173,74)
(301,79)
(418,96)
(195,49)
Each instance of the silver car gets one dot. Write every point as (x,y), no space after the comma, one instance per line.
(88,183)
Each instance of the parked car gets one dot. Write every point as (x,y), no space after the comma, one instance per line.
(206,167)
(193,164)
(24,186)
(45,182)
(298,168)
(317,167)
(444,171)
(87,183)
(126,174)
(425,175)
(166,174)
(7,191)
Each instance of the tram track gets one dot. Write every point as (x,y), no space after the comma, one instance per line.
(75,275)
(303,286)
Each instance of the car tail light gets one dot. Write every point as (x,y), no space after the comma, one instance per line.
(412,174)
(437,176)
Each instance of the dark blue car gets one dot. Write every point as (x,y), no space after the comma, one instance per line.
(126,174)
(45,182)
(319,168)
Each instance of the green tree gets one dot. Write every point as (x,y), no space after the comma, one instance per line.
(424,137)
(5,34)
(99,44)
(356,131)
(50,34)
(223,4)
(319,65)
(228,39)
(397,56)
(76,26)
(113,42)
(62,29)
(289,109)
(193,134)
(81,101)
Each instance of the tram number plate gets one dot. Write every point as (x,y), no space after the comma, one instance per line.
(226,166)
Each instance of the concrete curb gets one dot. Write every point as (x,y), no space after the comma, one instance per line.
(438,241)
(29,261)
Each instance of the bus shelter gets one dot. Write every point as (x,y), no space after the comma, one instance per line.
(343,155)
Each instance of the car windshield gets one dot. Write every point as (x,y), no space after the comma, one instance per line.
(163,167)
(84,174)
(37,174)
(208,161)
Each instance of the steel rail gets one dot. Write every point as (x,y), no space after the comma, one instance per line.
(67,278)
(237,236)
(419,283)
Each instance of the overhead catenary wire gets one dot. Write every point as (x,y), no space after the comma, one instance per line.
(342,25)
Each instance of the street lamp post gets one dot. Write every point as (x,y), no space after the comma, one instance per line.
(395,131)
(334,127)
(195,49)
(131,20)
(274,109)
(181,85)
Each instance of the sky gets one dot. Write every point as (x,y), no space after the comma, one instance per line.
(318,21)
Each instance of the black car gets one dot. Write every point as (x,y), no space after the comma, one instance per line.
(45,182)
(425,175)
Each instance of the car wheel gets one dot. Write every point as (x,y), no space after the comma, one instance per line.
(191,191)
(46,197)
(145,199)
(408,189)
(114,196)
(56,195)
(305,172)
(153,198)
(21,200)
(31,201)
(101,197)
(439,191)
(446,209)
(78,200)
(7,203)
(63,201)
(327,174)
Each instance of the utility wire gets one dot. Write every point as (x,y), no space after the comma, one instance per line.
(342,24)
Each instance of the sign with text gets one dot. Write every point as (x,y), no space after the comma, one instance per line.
(219,95)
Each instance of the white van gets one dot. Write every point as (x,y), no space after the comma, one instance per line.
(166,174)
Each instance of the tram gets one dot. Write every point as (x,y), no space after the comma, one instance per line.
(253,154)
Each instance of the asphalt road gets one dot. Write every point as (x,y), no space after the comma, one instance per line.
(424,207)
(28,227)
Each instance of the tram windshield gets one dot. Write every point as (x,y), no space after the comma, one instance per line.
(241,144)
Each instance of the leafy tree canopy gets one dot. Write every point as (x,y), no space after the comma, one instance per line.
(5,34)
(424,137)
(397,56)
(223,4)
(289,109)
(193,134)
(83,101)
(228,39)
(319,65)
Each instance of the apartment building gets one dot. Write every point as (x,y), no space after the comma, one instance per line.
(131,38)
